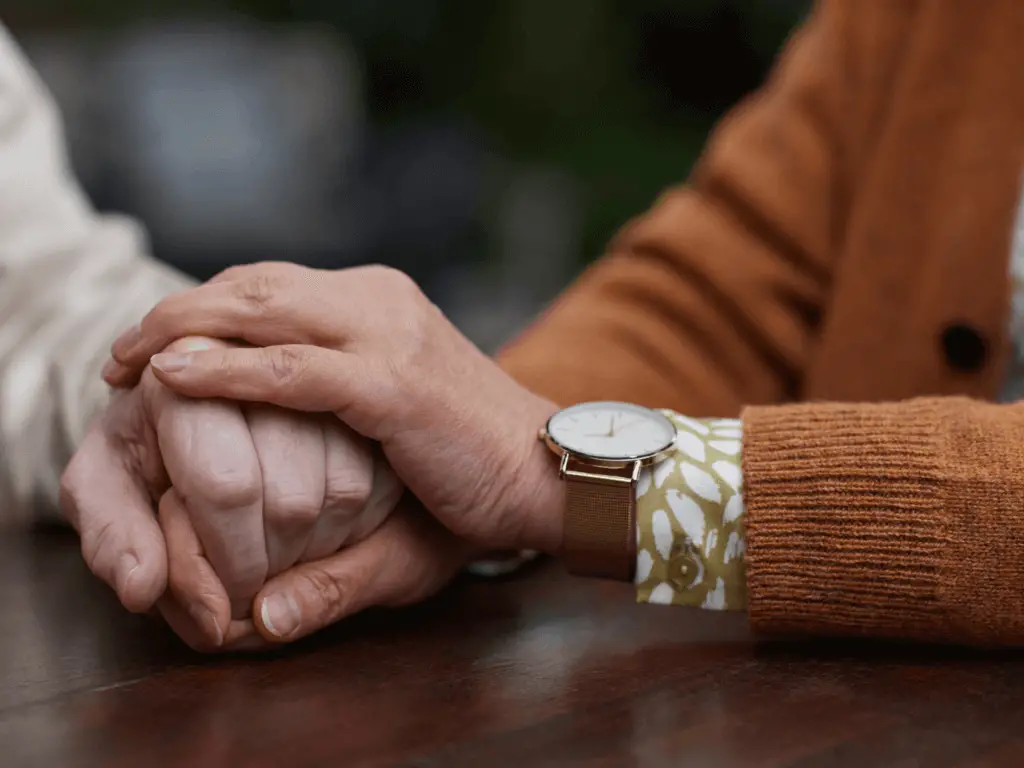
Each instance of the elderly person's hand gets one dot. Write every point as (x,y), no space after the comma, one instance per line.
(246,491)
(366,344)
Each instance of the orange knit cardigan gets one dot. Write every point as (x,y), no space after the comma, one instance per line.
(836,269)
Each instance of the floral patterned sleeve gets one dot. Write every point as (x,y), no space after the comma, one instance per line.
(689,510)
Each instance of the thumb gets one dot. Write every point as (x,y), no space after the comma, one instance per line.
(121,540)
(407,559)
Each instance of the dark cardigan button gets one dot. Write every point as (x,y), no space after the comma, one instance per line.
(964,347)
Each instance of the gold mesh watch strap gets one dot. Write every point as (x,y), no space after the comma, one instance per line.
(600,516)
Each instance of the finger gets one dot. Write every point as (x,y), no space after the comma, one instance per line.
(291,449)
(118,375)
(300,377)
(265,307)
(193,583)
(242,271)
(113,514)
(210,458)
(385,494)
(407,559)
(347,487)
(241,634)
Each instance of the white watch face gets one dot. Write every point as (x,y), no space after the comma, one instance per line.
(611,430)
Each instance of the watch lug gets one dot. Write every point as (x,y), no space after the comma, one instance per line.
(598,475)
(563,465)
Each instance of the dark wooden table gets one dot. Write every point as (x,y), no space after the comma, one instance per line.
(541,670)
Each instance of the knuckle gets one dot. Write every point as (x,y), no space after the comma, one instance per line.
(393,285)
(286,269)
(260,291)
(384,273)
(348,490)
(290,512)
(330,592)
(417,326)
(399,280)
(414,320)
(229,487)
(285,363)
(232,273)
(244,271)
(411,315)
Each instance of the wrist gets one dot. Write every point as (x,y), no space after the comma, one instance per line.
(540,505)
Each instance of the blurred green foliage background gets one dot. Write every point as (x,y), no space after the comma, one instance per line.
(619,93)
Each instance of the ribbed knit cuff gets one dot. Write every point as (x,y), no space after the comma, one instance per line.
(844,519)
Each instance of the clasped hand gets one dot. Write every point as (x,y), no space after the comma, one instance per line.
(244,491)
(365,357)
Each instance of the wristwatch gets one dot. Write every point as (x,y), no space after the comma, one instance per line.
(603,446)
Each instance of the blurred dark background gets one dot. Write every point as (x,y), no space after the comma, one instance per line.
(488,147)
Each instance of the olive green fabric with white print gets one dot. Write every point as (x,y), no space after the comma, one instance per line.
(690,537)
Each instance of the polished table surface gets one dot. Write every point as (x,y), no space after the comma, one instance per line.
(538,670)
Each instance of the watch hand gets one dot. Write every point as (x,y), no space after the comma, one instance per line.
(611,428)
(630,424)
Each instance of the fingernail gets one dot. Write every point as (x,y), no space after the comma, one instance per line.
(110,368)
(196,346)
(204,617)
(123,343)
(126,568)
(169,362)
(280,614)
